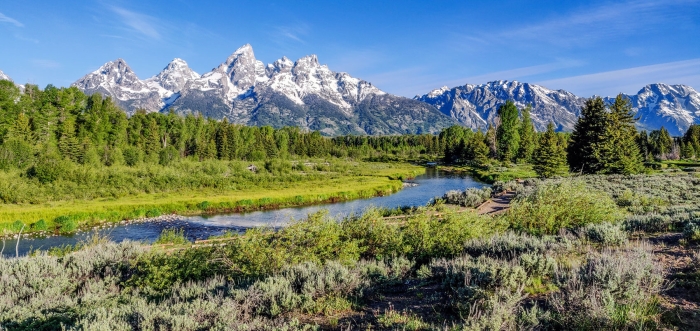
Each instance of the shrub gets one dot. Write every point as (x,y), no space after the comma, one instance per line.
(48,169)
(65,224)
(155,212)
(40,225)
(472,197)
(172,236)
(605,233)
(691,232)
(615,290)
(132,156)
(167,155)
(554,206)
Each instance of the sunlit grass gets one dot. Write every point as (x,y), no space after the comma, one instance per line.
(358,181)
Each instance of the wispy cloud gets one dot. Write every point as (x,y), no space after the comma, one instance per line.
(295,33)
(146,25)
(46,64)
(592,24)
(6,19)
(629,80)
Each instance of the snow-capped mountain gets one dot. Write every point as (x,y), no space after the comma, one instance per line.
(476,105)
(242,89)
(3,76)
(117,80)
(674,107)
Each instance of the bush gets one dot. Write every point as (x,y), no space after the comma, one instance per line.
(472,197)
(564,205)
(691,232)
(605,233)
(132,156)
(168,155)
(40,225)
(172,236)
(65,224)
(48,169)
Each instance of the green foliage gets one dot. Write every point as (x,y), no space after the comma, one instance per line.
(550,156)
(65,224)
(555,206)
(527,136)
(606,234)
(132,156)
(617,150)
(48,169)
(172,236)
(40,225)
(587,133)
(508,133)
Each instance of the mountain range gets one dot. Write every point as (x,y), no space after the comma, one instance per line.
(242,89)
(309,95)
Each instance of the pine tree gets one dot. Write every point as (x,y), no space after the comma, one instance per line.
(527,136)
(617,151)
(68,143)
(588,131)
(476,149)
(550,156)
(507,134)
(660,143)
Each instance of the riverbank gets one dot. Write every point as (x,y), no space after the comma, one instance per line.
(375,179)
(493,174)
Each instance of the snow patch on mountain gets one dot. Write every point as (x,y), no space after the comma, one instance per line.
(3,76)
(476,106)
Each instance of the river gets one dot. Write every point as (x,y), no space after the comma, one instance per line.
(432,184)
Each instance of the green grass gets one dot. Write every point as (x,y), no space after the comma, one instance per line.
(361,180)
(495,173)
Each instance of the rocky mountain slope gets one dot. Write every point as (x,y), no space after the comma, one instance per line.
(476,105)
(674,107)
(244,90)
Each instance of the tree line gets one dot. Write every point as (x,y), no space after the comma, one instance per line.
(64,123)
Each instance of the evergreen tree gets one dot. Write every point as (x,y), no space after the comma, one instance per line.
(588,132)
(643,144)
(617,151)
(68,143)
(660,143)
(527,136)
(476,150)
(550,156)
(507,134)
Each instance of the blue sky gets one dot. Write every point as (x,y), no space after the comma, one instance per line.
(403,47)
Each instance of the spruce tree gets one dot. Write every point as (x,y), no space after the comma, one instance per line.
(477,150)
(617,151)
(550,156)
(527,136)
(588,131)
(507,134)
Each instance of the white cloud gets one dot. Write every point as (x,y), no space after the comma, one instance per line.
(146,25)
(6,19)
(295,33)
(631,80)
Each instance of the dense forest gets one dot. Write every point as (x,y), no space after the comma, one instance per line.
(42,128)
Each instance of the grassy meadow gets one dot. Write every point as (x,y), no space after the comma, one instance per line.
(88,196)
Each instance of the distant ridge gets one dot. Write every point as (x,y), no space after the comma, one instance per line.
(244,90)
(675,107)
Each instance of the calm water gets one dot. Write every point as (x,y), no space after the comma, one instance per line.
(433,183)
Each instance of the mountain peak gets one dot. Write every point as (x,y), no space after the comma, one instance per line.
(3,76)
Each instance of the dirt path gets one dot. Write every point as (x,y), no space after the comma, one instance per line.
(496,205)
